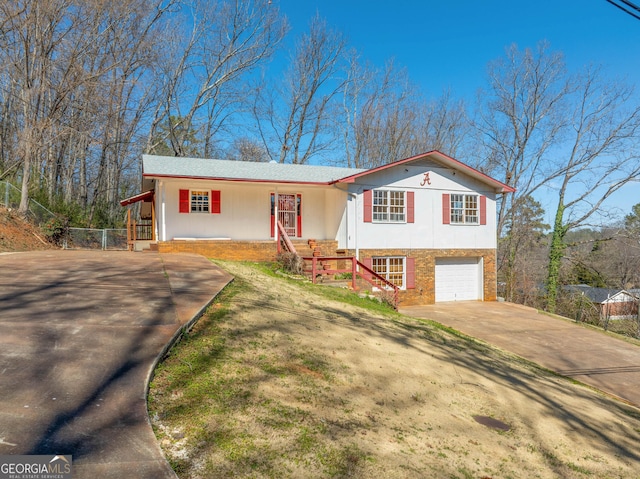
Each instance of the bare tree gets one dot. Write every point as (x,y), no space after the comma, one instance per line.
(212,46)
(72,71)
(387,118)
(599,157)
(293,114)
(381,111)
(519,120)
(246,149)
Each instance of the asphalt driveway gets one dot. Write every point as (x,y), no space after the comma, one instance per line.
(81,332)
(603,361)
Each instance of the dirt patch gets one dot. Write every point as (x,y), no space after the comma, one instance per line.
(282,382)
(17,234)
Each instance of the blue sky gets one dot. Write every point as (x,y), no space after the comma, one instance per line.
(446,45)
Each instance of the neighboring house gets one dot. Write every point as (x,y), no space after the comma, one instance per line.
(426,223)
(610,303)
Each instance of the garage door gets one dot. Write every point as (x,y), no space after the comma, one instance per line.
(458,279)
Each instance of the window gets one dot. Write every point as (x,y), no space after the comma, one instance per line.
(388,206)
(199,201)
(464,209)
(389,267)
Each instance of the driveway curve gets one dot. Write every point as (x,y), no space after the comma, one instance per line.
(81,333)
(600,360)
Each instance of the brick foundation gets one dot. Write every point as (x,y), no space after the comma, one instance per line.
(424,292)
(425,261)
(240,250)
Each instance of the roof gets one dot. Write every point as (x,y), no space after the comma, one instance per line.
(597,295)
(445,161)
(230,170)
(147,195)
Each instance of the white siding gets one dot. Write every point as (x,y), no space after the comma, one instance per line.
(245,210)
(428,230)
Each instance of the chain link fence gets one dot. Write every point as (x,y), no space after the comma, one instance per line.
(10,198)
(72,238)
(94,238)
(622,318)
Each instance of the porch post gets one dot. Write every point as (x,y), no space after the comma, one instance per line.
(354,272)
(276,232)
(129,243)
(153,218)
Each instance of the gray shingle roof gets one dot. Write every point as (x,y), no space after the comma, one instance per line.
(596,295)
(168,166)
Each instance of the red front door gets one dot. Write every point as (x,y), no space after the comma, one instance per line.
(289,214)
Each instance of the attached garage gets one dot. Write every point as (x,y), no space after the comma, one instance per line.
(458,279)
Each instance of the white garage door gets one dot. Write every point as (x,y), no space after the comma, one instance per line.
(458,279)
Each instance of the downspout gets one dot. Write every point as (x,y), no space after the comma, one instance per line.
(276,232)
(163,223)
(355,232)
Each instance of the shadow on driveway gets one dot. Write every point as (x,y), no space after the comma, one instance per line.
(592,357)
(81,332)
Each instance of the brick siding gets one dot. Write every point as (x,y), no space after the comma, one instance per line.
(425,261)
(425,270)
(238,250)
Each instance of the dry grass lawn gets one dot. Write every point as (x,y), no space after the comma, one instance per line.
(279,380)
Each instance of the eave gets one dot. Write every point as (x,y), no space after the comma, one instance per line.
(443,159)
(239,180)
(147,195)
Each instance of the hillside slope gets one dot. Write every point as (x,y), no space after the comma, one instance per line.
(17,234)
(279,379)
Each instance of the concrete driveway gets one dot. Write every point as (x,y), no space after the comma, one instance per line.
(81,332)
(592,357)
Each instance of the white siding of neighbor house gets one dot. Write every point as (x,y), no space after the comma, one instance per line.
(245,210)
(428,230)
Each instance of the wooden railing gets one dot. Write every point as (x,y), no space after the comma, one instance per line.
(141,230)
(357,269)
(284,240)
(319,266)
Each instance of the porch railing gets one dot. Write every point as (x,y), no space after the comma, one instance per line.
(357,269)
(284,240)
(141,230)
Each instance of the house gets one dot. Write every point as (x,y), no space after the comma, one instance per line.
(425,223)
(610,303)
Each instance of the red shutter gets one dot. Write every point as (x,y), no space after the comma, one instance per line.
(368,206)
(411,273)
(184,201)
(368,263)
(483,210)
(446,209)
(273,215)
(215,201)
(410,207)
(299,214)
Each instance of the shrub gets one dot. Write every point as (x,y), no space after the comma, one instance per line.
(56,229)
(291,262)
